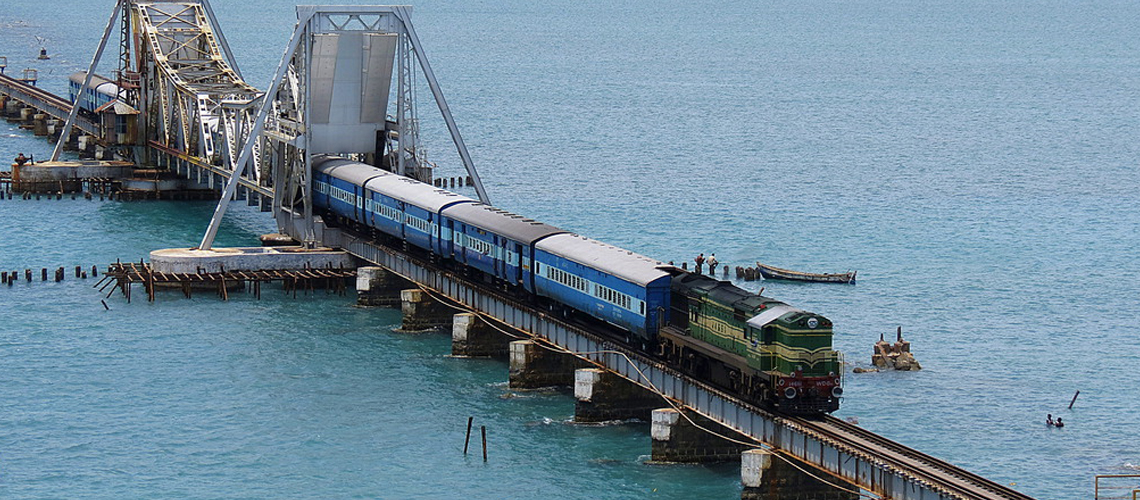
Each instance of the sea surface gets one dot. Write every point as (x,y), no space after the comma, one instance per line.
(975,161)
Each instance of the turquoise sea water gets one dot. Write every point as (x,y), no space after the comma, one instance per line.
(975,161)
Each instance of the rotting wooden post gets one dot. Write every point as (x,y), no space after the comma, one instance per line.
(1074,399)
(43,274)
(483,428)
(467,440)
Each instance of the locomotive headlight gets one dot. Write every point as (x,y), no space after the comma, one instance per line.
(812,323)
(836,392)
(790,393)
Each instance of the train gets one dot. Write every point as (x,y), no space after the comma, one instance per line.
(100,92)
(759,348)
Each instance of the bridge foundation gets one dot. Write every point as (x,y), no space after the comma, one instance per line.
(422,312)
(534,366)
(376,286)
(601,396)
(676,439)
(473,337)
(767,477)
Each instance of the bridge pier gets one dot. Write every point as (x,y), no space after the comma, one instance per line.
(676,439)
(473,337)
(533,366)
(767,477)
(376,286)
(39,124)
(422,312)
(601,396)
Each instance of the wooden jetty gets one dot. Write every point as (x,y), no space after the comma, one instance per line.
(122,275)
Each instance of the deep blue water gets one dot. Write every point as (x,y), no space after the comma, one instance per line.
(975,161)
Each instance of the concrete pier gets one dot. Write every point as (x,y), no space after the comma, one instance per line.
(192,260)
(473,337)
(534,366)
(675,439)
(602,396)
(768,477)
(422,312)
(376,286)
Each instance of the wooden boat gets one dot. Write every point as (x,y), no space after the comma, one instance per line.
(775,273)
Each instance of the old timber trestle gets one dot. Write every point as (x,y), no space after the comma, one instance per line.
(843,450)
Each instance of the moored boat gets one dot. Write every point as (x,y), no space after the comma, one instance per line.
(775,273)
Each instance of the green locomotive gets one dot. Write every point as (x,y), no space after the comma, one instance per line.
(762,349)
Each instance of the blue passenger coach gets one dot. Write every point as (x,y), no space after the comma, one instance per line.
(616,285)
(410,210)
(338,184)
(495,241)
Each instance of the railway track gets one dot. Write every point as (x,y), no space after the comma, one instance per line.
(954,480)
(939,474)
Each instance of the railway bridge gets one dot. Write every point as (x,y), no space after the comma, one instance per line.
(330,95)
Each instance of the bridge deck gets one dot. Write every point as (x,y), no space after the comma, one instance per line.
(843,450)
(46,102)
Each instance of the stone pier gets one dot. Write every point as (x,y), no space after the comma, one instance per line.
(675,439)
(376,286)
(768,477)
(602,395)
(473,337)
(422,312)
(533,366)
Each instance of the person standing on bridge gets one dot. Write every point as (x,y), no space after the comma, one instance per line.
(21,159)
(700,260)
(712,265)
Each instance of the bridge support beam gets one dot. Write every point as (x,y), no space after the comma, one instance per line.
(676,439)
(601,396)
(534,366)
(473,337)
(767,477)
(376,286)
(422,312)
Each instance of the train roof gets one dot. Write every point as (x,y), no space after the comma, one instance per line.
(501,222)
(723,292)
(347,170)
(415,192)
(624,264)
(96,80)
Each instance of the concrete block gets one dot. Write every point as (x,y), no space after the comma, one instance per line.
(422,312)
(603,396)
(768,477)
(471,336)
(533,366)
(676,439)
(376,286)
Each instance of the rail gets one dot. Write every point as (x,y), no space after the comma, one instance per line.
(47,102)
(844,451)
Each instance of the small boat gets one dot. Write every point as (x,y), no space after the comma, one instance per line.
(775,273)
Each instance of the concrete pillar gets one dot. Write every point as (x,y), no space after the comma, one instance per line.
(473,337)
(602,396)
(675,439)
(534,366)
(422,312)
(26,114)
(39,124)
(768,477)
(376,286)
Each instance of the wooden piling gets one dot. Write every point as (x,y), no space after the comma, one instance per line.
(467,440)
(483,428)
(1074,399)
